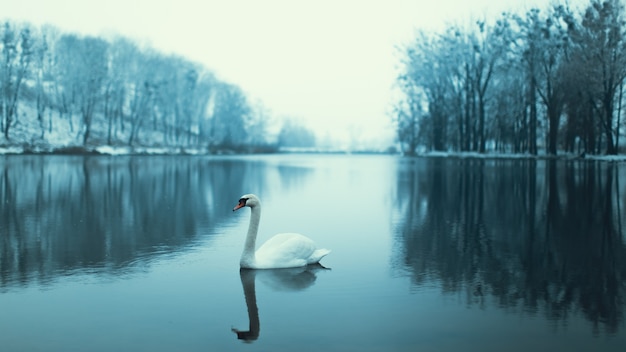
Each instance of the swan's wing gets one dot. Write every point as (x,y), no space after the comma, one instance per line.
(285,250)
(317,255)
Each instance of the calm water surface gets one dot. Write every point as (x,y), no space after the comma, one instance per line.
(142,253)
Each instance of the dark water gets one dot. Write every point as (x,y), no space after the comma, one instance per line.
(142,253)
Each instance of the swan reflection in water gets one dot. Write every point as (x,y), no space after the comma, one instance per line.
(291,279)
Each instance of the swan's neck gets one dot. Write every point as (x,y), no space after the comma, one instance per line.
(247,257)
(249,291)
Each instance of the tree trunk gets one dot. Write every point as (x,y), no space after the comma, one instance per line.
(553,128)
(532,126)
(608,127)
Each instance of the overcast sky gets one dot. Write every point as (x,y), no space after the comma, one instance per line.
(331,64)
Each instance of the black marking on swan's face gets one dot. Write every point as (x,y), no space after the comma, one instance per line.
(242,203)
(248,200)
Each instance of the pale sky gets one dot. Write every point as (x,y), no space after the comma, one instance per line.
(331,64)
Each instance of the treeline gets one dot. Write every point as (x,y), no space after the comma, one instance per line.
(115,92)
(549,79)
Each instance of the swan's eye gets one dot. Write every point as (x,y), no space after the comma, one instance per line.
(242,201)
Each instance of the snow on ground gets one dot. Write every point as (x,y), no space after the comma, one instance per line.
(497,155)
(109,150)
(11,150)
(64,134)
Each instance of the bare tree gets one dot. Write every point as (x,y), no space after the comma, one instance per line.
(121,55)
(426,71)
(407,116)
(42,76)
(17,53)
(489,49)
(140,101)
(295,134)
(258,124)
(601,47)
(553,45)
(113,90)
(92,68)
(230,113)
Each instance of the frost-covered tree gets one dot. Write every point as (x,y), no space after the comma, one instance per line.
(545,57)
(600,40)
(407,116)
(550,78)
(92,70)
(17,55)
(295,134)
(42,77)
(228,121)
(258,126)
(114,91)
(426,70)
(122,54)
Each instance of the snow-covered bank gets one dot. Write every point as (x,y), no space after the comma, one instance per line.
(109,150)
(104,150)
(31,136)
(160,150)
(63,135)
(489,155)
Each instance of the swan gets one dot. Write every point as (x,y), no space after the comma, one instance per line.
(284,250)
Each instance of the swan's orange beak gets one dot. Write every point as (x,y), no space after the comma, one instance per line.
(240,205)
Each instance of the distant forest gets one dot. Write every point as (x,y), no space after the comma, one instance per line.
(88,91)
(548,80)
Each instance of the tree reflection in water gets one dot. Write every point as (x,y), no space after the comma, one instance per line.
(536,235)
(62,214)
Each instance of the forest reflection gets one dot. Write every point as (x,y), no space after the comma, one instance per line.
(540,236)
(64,213)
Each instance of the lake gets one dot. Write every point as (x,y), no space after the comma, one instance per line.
(141,253)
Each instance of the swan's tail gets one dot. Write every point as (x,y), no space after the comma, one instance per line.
(318,255)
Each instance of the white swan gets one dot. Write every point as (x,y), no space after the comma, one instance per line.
(284,250)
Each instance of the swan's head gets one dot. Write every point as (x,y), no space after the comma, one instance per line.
(247,200)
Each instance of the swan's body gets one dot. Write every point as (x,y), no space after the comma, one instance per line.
(284,250)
